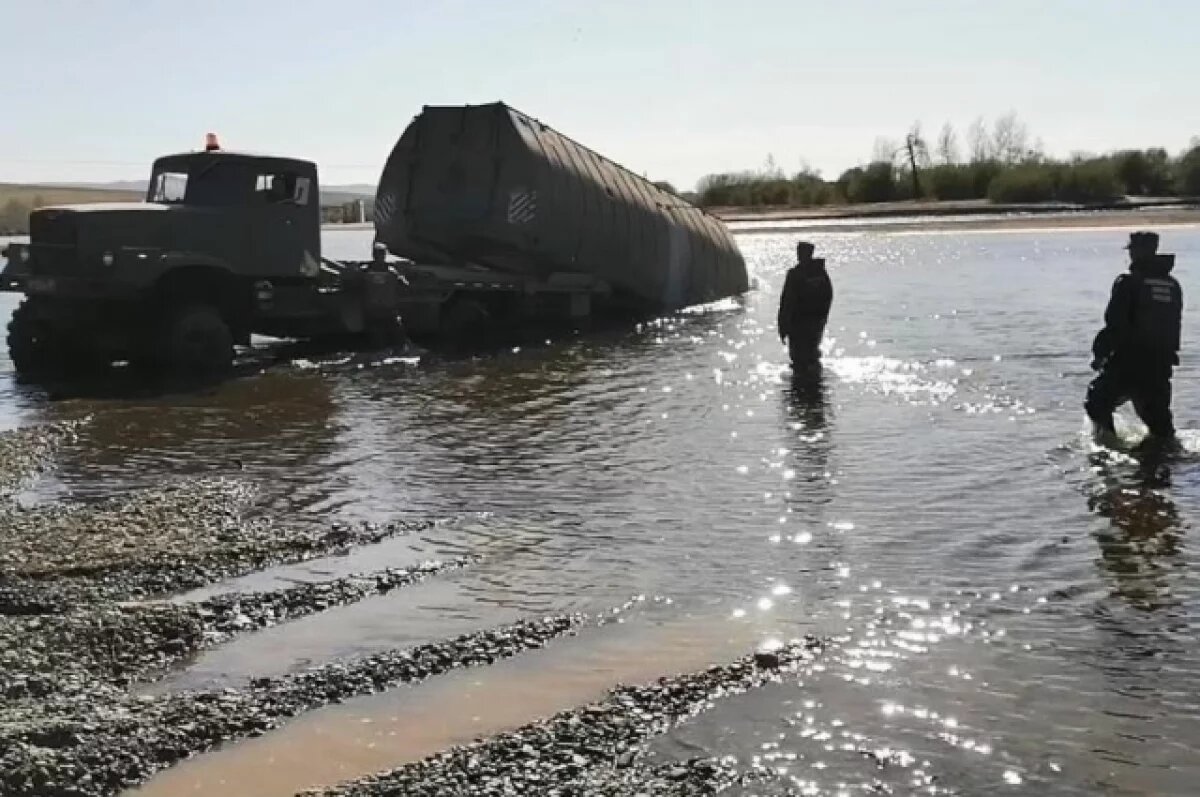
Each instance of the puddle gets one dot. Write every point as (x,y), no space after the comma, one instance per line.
(380,732)
(425,612)
(397,552)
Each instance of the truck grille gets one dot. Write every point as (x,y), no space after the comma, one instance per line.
(54,236)
(53,227)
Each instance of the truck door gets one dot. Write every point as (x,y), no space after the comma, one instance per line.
(283,245)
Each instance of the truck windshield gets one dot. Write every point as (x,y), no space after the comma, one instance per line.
(169,188)
(202,182)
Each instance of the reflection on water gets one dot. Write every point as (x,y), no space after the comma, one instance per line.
(1142,544)
(918,501)
(808,398)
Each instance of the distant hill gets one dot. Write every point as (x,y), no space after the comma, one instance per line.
(65,194)
(355,189)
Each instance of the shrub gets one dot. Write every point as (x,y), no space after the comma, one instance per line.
(950,182)
(1089,181)
(876,183)
(1187,173)
(1022,184)
(1144,173)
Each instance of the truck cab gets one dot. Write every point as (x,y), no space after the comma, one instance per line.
(259,215)
(224,243)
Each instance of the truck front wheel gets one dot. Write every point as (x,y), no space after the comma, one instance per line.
(37,348)
(198,342)
(31,343)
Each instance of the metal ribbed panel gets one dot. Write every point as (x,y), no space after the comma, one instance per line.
(490,185)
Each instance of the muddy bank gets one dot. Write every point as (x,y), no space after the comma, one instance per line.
(595,749)
(79,624)
(174,538)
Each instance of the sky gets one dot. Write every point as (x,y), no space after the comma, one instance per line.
(673,89)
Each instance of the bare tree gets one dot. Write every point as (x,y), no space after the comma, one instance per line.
(947,144)
(884,151)
(978,141)
(807,170)
(1010,138)
(1036,151)
(771,168)
(917,150)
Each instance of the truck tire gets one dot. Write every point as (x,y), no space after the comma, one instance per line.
(464,318)
(32,346)
(37,349)
(198,343)
(382,333)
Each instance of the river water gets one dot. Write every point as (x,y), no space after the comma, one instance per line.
(1013,609)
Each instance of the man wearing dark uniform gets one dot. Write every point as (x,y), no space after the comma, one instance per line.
(804,308)
(1138,347)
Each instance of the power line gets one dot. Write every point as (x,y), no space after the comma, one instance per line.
(76,162)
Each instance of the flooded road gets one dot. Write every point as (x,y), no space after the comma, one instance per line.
(1011,609)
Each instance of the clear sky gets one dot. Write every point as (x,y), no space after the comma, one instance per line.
(93,89)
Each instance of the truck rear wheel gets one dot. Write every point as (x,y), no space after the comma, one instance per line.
(198,343)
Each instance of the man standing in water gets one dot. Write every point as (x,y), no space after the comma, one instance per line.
(804,308)
(1138,347)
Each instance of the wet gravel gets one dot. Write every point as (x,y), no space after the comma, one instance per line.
(82,619)
(124,643)
(26,452)
(168,540)
(595,749)
(62,749)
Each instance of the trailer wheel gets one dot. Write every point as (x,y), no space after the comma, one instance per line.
(385,332)
(464,317)
(198,342)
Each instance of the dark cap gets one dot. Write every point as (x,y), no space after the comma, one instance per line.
(1148,240)
(805,249)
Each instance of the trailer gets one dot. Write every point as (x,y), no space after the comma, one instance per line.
(493,186)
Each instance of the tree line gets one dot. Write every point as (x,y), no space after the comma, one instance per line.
(14,214)
(1000,163)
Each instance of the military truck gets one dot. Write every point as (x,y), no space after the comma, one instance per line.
(226,244)
(485,221)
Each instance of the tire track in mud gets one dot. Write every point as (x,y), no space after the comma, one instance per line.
(122,740)
(595,749)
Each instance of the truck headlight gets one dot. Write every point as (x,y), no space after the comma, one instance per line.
(108,258)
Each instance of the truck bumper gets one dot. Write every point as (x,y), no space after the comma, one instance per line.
(59,288)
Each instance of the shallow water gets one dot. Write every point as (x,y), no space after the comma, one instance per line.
(1014,610)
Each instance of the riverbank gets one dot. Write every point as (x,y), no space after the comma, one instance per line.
(963,217)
